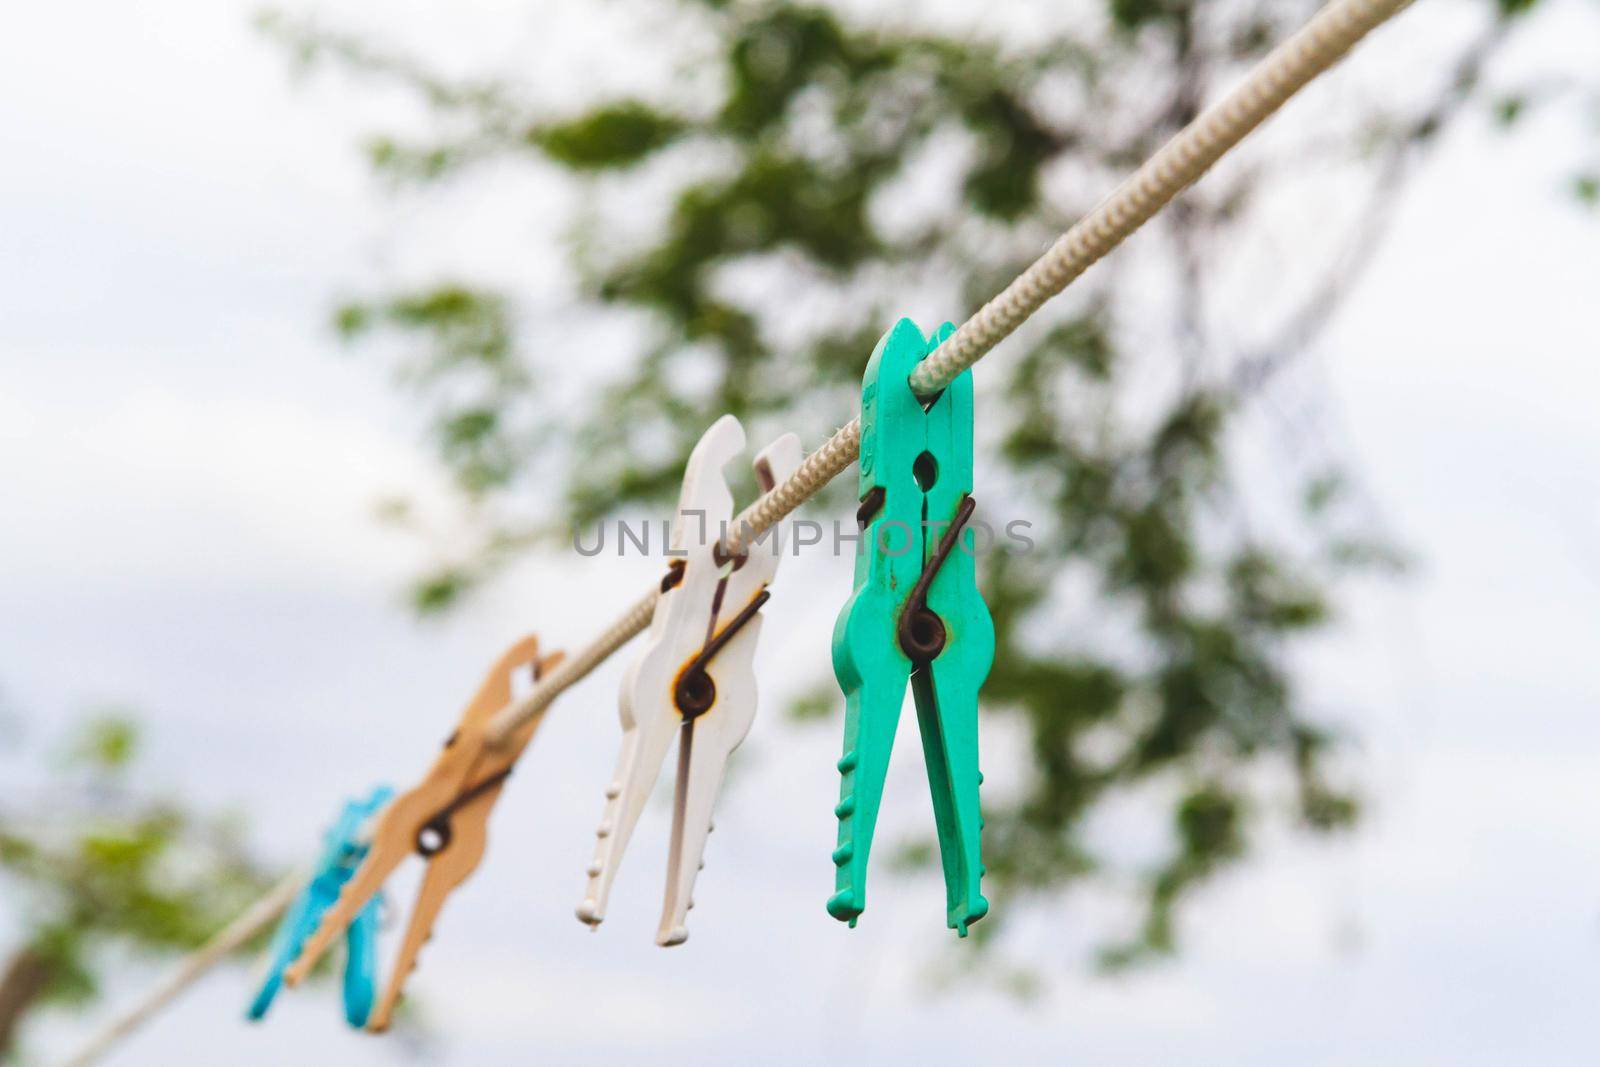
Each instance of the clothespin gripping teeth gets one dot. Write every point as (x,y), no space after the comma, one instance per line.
(694,677)
(344,847)
(443,819)
(915,618)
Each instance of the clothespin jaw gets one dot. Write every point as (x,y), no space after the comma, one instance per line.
(360,983)
(915,617)
(694,677)
(444,819)
(344,846)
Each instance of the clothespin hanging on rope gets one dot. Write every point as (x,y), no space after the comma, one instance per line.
(343,848)
(694,677)
(444,819)
(916,616)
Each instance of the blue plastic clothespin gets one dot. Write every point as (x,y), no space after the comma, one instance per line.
(343,849)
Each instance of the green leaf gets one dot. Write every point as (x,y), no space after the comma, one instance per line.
(352,320)
(1326,811)
(414,163)
(1208,823)
(1508,109)
(1132,14)
(610,137)
(108,742)
(816,704)
(1513,8)
(440,591)
(1322,492)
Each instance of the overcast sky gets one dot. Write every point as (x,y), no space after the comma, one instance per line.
(188,468)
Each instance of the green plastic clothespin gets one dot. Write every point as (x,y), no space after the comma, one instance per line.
(916,616)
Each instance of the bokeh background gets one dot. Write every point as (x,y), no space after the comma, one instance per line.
(198,485)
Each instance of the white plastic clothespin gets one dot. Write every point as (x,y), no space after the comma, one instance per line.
(694,677)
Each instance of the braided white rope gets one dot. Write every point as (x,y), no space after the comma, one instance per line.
(1330,34)
(262,914)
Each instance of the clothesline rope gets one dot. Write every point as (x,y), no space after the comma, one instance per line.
(1323,41)
(262,914)
(1330,34)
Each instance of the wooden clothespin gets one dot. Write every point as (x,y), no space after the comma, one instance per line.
(444,819)
(694,678)
(344,846)
(916,616)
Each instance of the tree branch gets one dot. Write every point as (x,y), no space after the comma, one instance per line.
(27,975)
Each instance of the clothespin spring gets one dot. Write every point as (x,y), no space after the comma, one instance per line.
(433,836)
(695,692)
(921,632)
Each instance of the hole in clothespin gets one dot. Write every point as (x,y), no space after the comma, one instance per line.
(870,505)
(926,470)
(764,476)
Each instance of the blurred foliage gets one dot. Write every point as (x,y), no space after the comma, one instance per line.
(93,862)
(808,170)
